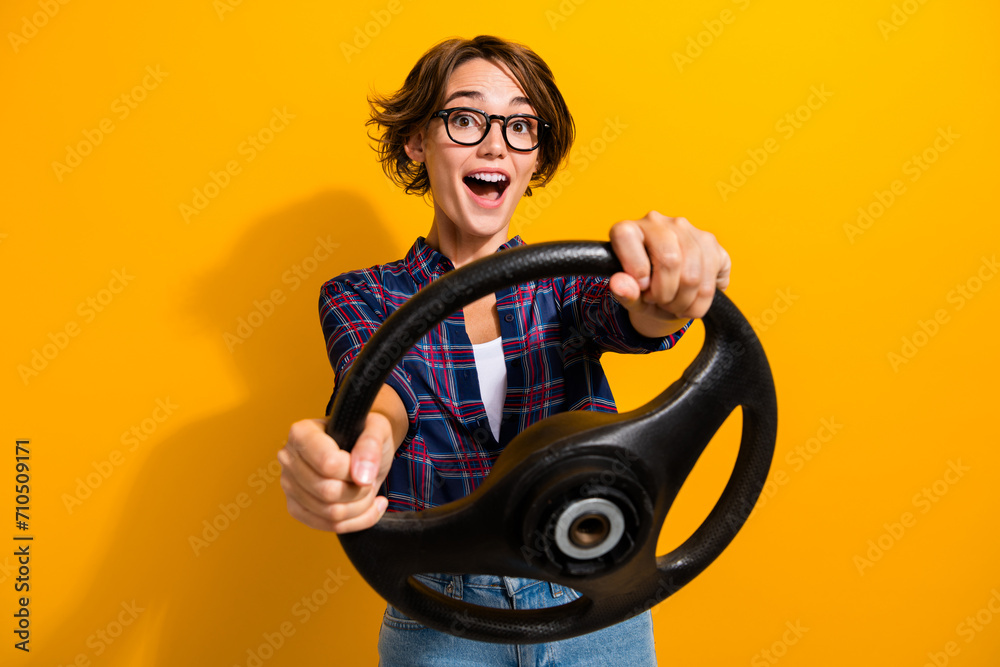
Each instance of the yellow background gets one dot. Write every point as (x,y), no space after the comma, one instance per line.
(848,301)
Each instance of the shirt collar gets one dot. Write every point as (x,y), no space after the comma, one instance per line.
(425,263)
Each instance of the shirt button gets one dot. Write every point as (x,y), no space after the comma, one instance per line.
(508,317)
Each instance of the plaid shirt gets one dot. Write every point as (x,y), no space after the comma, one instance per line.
(553,331)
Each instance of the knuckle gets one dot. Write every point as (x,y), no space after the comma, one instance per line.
(691,274)
(337,512)
(331,463)
(620,226)
(303,516)
(330,491)
(299,432)
(295,510)
(668,257)
(710,238)
(340,528)
(376,424)
(619,235)
(370,441)
(324,463)
(627,230)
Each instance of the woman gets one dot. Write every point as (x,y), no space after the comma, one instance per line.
(475,125)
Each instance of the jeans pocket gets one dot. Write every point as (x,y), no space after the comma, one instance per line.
(394,618)
(570,594)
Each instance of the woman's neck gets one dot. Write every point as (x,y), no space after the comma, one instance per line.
(461,247)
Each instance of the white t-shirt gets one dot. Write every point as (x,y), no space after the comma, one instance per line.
(492,373)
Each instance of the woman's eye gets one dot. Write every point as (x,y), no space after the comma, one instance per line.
(519,126)
(464,120)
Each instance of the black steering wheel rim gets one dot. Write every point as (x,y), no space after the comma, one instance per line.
(730,370)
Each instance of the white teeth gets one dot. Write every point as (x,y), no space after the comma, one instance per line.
(489,177)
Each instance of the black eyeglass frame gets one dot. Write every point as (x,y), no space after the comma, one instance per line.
(444,113)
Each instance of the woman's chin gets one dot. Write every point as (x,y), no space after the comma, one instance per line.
(485,222)
(487,226)
(470,218)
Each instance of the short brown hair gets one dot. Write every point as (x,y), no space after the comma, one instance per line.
(411,106)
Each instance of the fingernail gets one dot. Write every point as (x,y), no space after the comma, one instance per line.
(643,283)
(364,472)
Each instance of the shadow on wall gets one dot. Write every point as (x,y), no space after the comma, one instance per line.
(217,587)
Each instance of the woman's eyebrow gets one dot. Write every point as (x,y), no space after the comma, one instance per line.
(476,95)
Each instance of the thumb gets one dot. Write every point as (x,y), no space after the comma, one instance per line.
(626,290)
(365,459)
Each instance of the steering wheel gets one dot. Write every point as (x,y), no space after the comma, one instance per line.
(578,498)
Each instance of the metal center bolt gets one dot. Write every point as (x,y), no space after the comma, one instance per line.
(589,528)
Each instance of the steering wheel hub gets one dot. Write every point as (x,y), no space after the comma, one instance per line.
(585,518)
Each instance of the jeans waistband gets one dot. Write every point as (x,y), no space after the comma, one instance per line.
(453,584)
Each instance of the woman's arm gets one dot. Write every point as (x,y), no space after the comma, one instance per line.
(653,326)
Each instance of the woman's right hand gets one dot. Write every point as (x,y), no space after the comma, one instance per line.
(328,488)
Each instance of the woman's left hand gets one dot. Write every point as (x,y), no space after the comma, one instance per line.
(671,271)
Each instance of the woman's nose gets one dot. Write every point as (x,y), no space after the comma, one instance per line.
(494,144)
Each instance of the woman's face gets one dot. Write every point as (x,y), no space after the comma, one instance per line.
(477,207)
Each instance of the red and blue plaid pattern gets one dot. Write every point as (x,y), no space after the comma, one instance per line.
(554,332)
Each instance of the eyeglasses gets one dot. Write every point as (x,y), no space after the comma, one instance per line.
(468,127)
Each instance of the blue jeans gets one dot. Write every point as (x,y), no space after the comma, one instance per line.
(403,642)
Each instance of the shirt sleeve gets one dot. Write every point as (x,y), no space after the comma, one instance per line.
(350,312)
(598,316)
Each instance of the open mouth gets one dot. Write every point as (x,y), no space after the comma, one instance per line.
(487,185)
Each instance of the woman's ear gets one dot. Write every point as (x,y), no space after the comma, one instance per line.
(414,146)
